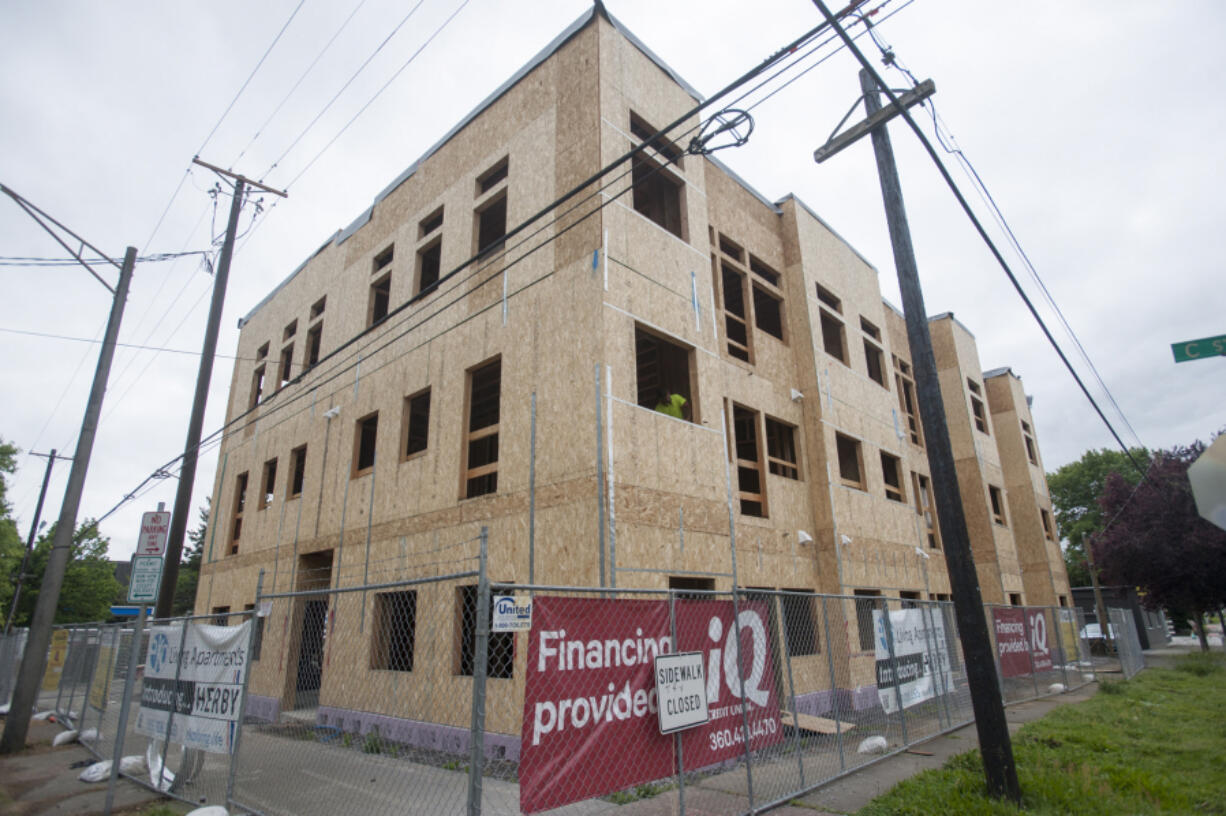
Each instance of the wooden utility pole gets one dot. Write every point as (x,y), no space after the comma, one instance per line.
(994,742)
(25,559)
(191,448)
(34,660)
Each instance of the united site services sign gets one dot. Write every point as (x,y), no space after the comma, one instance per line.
(207,694)
(592,698)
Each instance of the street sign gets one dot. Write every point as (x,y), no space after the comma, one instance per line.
(154,527)
(125,611)
(1196,349)
(1207,476)
(145,580)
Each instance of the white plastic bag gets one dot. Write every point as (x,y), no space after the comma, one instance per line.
(88,735)
(210,810)
(873,745)
(98,772)
(64,738)
(42,715)
(132,765)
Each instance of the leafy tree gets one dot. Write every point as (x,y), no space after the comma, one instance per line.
(1160,543)
(189,565)
(1075,489)
(11,548)
(89,581)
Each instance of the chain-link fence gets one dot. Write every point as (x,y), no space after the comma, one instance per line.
(1127,641)
(396,692)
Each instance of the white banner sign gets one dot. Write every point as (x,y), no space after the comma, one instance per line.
(919,641)
(206,696)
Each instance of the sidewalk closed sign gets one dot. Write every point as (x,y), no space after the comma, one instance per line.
(681,691)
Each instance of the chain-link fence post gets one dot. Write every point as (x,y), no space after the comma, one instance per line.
(59,688)
(787,654)
(174,707)
(242,700)
(476,735)
(672,626)
(1058,615)
(934,661)
(124,707)
(1028,628)
(889,643)
(740,682)
(834,689)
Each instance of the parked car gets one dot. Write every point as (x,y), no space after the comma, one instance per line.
(1092,634)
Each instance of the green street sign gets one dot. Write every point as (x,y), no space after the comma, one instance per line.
(1196,349)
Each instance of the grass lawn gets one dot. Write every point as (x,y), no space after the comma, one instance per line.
(1153,744)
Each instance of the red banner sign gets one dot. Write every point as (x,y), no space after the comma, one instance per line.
(1021,641)
(590,722)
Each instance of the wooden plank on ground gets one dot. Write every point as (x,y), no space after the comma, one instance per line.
(808,722)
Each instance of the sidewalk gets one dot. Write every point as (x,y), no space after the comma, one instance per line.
(40,780)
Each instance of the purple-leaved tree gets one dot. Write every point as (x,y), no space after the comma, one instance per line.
(1159,542)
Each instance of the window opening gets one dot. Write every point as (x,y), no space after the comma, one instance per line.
(663,378)
(867,600)
(257,640)
(257,387)
(981,418)
(732,250)
(384,259)
(829,298)
(430,223)
(891,473)
(416,423)
(851,467)
(925,509)
(1028,437)
(1049,531)
(269,487)
(763,271)
(481,441)
(751,492)
(492,226)
(221,615)
(240,502)
(907,402)
(834,340)
(429,265)
(380,299)
(364,444)
(768,312)
(286,367)
(489,179)
(657,194)
(290,330)
(680,583)
(395,631)
(781,449)
(642,131)
(314,341)
(799,626)
(736,325)
(1015,598)
(998,505)
(874,358)
(500,654)
(909,599)
(317,308)
(297,471)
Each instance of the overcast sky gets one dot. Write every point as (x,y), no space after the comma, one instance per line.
(1092,124)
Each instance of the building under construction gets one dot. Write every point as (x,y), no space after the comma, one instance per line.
(390,399)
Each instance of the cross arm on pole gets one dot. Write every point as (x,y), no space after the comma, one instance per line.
(237,177)
(856,132)
(35,213)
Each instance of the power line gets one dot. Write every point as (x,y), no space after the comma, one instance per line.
(337,96)
(966,208)
(26,261)
(378,93)
(142,347)
(251,76)
(260,130)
